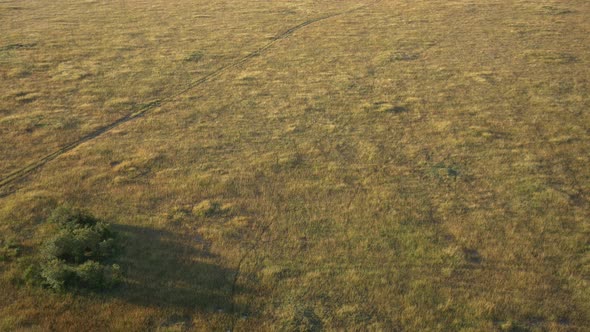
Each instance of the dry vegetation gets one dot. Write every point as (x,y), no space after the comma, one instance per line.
(407,165)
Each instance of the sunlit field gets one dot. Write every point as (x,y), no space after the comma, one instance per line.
(388,165)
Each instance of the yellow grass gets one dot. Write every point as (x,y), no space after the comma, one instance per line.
(344,165)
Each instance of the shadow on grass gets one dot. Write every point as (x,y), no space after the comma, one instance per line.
(164,269)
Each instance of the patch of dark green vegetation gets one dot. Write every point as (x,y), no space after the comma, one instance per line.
(383,106)
(17,46)
(287,163)
(442,170)
(565,58)
(195,56)
(27,100)
(551,10)
(398,109)
(78,255)
(471,255)
(404,56)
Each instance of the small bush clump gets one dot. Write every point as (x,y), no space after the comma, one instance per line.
(77,256)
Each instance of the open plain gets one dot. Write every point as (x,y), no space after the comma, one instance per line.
(302,165)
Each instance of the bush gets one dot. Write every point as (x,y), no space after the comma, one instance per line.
(76,256)
(57,275)
(94,275)
(76,245)
(67,217)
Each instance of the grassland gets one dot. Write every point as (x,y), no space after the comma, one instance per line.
(303,165)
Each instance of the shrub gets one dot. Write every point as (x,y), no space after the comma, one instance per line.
(76,245)
(94,275)
(195,56)
(57,275)
(67,217)
(76,256)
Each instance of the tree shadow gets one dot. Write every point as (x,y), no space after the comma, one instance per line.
(164,269)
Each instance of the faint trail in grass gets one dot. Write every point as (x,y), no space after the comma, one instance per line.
(147,107)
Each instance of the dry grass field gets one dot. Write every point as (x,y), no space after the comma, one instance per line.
(387,165)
